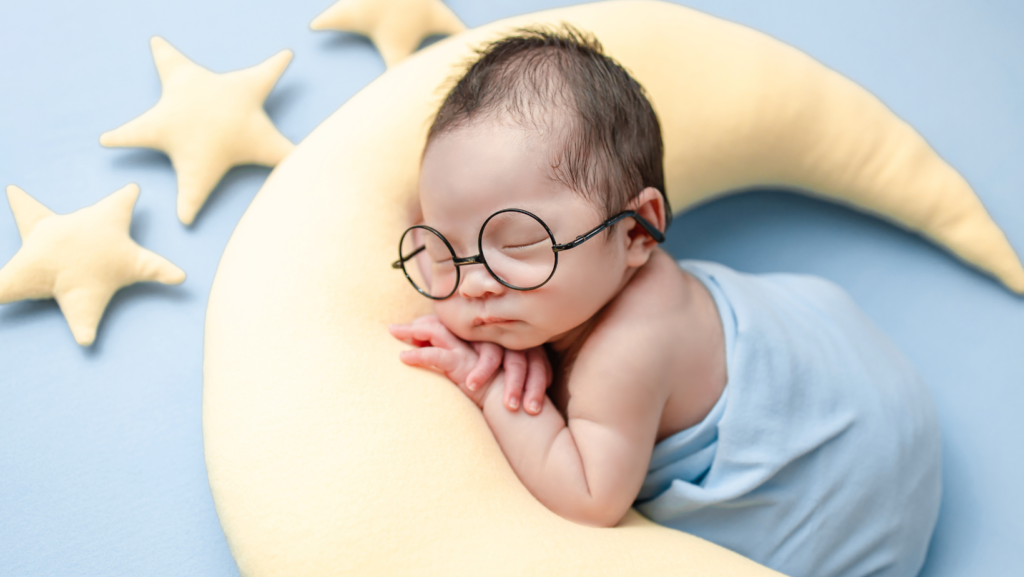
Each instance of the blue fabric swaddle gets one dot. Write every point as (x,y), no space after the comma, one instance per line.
(822,457)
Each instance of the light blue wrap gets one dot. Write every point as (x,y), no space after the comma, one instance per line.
(822,457)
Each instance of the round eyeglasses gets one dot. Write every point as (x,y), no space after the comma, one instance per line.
(515,246)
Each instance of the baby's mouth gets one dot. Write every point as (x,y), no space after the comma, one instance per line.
(487,320)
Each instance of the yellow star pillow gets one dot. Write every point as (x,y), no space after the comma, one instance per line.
(207,122)
(327,456)
(80,259)
(396,27)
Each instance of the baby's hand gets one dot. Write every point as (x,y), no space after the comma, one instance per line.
(527,375)
(470,365)
(439,350)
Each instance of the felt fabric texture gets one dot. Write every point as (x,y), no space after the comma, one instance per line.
(80,259)
(207,122)
(396,27)
(823,455)
(325,455)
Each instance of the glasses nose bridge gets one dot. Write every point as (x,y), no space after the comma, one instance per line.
(477,286)
(475,259)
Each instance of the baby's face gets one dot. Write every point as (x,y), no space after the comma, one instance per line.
(471,173)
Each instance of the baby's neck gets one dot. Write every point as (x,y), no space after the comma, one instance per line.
(567,341)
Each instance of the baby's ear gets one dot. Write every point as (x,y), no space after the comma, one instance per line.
(650,205)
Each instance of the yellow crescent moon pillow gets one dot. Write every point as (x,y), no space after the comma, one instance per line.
(327,456)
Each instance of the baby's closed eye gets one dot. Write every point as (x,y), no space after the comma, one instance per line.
(526,244)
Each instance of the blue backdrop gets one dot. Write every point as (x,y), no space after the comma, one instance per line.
(101,456)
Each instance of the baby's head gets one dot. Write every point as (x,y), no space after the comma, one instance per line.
(544,123)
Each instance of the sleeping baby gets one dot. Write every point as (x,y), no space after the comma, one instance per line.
(765,413)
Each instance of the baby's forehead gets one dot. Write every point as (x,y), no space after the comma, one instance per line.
(505,134)
(444,198)
(481,168)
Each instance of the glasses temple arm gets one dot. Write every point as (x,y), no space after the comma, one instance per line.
(398,263)
(650,228)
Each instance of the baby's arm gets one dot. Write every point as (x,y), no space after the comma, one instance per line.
(590,467)
(469,365)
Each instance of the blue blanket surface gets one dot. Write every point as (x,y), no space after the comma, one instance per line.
(822,457)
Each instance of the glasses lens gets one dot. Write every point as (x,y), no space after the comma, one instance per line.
(517,248)
(427,262)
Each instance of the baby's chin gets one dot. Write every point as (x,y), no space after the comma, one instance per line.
(514,335)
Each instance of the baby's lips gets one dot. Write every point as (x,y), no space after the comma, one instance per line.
(489,320)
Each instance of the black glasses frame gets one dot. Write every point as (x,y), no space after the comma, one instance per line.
(656,234)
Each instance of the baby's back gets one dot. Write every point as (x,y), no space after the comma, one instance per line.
(823,455)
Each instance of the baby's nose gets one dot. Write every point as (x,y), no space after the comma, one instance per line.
(478,283)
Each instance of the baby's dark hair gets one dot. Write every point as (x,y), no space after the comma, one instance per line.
(611,141)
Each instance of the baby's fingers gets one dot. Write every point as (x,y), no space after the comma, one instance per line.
(402,333)
(538,376)
(408,332)
(488,361)
(434,358)
(430,329)
(515,376)
(426,331)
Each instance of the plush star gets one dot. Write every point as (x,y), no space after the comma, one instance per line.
(81,259)
(396,26)
(207,122)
